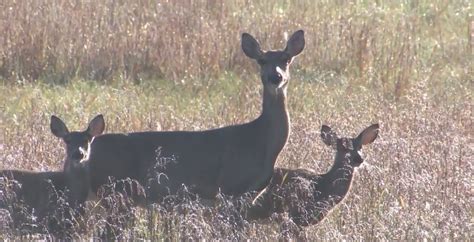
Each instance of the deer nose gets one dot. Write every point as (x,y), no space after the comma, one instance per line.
(77,155)
(275,78)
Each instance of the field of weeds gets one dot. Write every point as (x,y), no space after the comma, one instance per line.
(177,65)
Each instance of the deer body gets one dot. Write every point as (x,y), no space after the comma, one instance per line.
(232,159)
(36,189)
(207,160)
(306,196)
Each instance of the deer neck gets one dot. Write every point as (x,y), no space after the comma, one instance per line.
(274,127)
(339,177)
(274,120)
(78,182)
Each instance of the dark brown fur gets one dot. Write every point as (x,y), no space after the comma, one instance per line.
(42,192)
(306,196)
(232,159)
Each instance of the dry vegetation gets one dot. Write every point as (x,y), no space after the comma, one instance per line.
(169,65)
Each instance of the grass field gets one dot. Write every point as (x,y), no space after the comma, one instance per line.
(159,65)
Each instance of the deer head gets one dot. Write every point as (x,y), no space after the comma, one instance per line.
(274,65)
(348,150)
(76,143)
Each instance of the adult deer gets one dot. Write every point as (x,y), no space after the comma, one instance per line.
(40,191)
(309,197)
(232,159)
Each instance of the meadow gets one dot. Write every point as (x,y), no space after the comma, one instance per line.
(178,65)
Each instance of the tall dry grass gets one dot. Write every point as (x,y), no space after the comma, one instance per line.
(385,44)
(416,182)
(174,65)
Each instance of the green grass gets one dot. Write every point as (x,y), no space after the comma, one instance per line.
(406,65)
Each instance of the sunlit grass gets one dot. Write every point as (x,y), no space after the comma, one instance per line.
(177,65)
(416,178)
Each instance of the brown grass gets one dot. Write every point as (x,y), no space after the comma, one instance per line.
(172,65)
(384,44)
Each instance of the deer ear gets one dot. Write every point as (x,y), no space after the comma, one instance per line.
(368,135)
(295,44)
(327,135)
(96,126)
(251,47)
(58,128)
